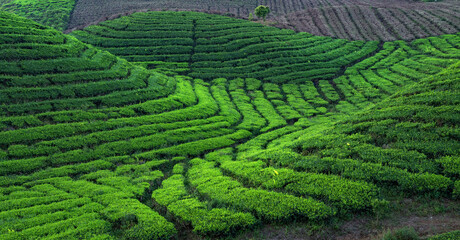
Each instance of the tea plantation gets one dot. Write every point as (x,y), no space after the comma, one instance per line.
(164,125)
(54,13)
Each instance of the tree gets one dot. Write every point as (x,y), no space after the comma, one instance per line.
(251,17)
(262,11)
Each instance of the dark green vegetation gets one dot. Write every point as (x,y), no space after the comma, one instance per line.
(301,128)
(54,13)
(447,236)
(414,130)
(262,11)
(208,47)
(400,234)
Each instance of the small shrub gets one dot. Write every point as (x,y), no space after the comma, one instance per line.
(251,17)
(405,233)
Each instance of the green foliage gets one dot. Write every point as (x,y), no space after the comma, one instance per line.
(341,192)
(456,193)
(148,224)
(224,47)
(262,11)
(178,169)
(450,165)
(271,206)
(250,17)
(53,13)
(446,236)
(86,136)
(215,221)
(401,234)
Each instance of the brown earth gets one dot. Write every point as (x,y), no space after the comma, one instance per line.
(385,20)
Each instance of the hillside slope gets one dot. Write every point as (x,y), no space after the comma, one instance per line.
(92,146)
(346,73)
(348,19)
(211,46)
(406,142)
(53,13)
(53,90)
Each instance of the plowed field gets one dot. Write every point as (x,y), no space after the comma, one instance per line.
(350,19)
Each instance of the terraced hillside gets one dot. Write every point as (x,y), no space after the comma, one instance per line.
(208,46)
(54,13)
(55,88)
(92,146)
(347,19)
(405,142)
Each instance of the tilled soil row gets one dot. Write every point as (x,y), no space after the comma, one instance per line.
(350,19)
